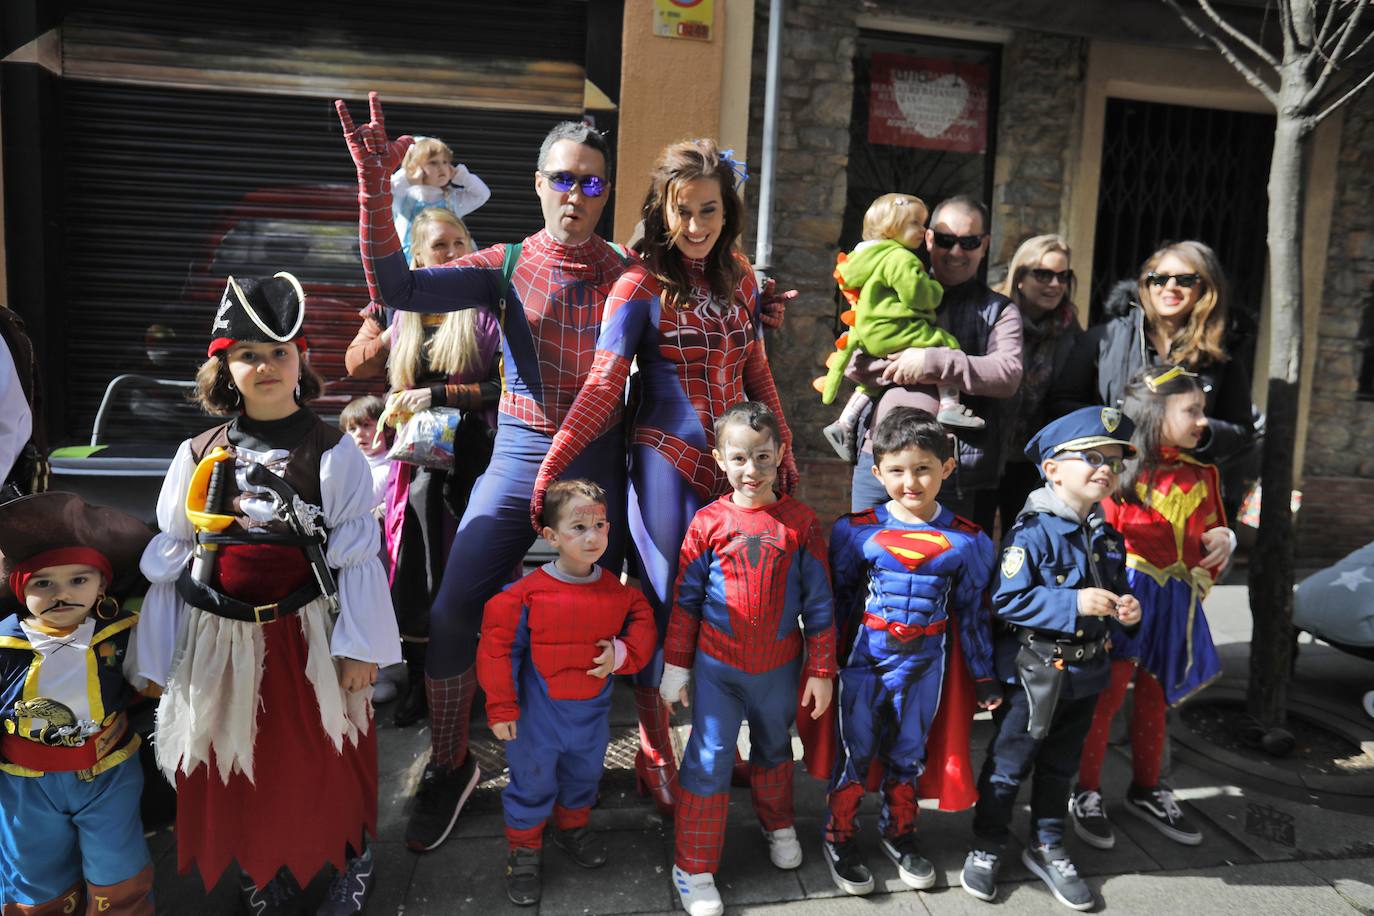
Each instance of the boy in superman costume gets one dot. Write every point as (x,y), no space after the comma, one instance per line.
(910,582)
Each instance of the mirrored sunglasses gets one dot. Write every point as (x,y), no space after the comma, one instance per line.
(563,182)
(966,242)
(1094,460)
(1045,275)
(1187,281)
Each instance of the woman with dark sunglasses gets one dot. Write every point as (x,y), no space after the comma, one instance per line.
(1040,281)
(1181,319)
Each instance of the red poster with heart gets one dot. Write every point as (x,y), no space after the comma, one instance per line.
(928,102)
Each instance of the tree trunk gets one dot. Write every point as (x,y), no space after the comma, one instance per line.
(1271,565)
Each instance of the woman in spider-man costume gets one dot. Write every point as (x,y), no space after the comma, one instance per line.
(688,314)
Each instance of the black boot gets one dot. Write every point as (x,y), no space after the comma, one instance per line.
(414,704)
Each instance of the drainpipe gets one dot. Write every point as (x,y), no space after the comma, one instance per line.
(763,252)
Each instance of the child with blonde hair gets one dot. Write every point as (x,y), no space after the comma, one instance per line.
(428,177)
(894,302)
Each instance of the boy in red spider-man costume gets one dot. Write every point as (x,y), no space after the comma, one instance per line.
(549,644)
(751,563)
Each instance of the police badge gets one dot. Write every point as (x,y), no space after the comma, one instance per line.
(1111,419)
(1013,558)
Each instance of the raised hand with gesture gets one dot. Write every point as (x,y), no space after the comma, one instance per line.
(375,158)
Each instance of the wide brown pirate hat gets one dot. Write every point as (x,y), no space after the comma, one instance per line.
(54,528)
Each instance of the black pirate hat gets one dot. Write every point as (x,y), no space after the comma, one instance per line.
(259,310)
(53,529)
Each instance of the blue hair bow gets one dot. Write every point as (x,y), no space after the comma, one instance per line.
(737,168)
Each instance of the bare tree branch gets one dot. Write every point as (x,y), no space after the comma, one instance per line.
(1338,55)
(1250,75)
(1354,91)
(1254,46)
(1325,31)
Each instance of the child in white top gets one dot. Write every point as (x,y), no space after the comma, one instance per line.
(428,177)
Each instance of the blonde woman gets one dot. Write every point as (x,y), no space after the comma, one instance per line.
(445,360)
(1041,283)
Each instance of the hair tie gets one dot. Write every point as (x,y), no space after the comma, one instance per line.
(737,168)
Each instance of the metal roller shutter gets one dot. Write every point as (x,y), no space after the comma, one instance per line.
(169,188)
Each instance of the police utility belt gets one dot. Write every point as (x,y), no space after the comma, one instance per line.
(1041,668)
(1060,652)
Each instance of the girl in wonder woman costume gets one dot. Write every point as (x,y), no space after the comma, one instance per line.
(1168,507)
(267,618)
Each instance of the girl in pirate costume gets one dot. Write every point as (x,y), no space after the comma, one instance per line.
(267,618)
(1168,507)
(70,782)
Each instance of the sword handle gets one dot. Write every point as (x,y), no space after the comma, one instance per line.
(203,567)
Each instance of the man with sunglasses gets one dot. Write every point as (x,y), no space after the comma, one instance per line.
(987,370)
(548,293)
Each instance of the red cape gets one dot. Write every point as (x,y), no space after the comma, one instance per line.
(948,776)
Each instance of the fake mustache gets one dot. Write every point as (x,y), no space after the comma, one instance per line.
(62,606)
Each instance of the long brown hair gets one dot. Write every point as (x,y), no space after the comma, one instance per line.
(1145,402)
(679,164)
(1199,342)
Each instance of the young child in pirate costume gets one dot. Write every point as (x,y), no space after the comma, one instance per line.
(70,782)
(267,618)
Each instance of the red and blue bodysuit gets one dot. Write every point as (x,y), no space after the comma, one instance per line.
(539,638)
(745,575)
(911,600)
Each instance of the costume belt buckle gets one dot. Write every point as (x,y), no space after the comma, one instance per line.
(259,609)
(903,631)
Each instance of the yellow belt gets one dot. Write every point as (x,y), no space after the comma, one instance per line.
(1199,581)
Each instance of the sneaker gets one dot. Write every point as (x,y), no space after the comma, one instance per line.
(524,884)
(1052,865)
(349,890)
(979,876)
(959,418)
(842,440)
(1089,820)
(784,850)
(582,845)
(1158,808)
(278,897)
(847,867)
(913,868)
(698,893)
(441,796)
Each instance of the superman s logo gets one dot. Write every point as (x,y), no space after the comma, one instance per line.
(912,548)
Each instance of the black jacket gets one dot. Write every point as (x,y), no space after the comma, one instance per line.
(1109,354)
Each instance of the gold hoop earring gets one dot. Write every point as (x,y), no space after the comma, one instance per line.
(106,608)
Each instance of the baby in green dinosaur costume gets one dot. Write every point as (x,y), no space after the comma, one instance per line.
(894,303)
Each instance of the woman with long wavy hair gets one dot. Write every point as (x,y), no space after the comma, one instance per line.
(688,315)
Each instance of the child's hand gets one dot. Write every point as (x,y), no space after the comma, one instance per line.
(988,693)
(819,692)
(605,662)
(673,686)
(355,675)
(1217,547)
(1097,602)
(1128,610)
(505,731)
(907,368)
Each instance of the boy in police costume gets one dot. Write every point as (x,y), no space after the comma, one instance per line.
(1060,592)
(70,781)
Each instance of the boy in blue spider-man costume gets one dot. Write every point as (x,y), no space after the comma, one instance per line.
(910,582)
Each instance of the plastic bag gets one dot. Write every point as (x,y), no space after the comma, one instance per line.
(426,439)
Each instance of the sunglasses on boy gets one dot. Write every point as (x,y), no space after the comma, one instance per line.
(1094,460)
(563,182)
(1186,281)
(966,242)
(1046,276)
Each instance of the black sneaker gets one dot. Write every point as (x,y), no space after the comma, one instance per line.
(280,896)
(914,869)
(582,845)
(349,890)
(1161,810)
(848,868)
(979,876)
(524,884)
(1052,865)
(441,796)
(1089,820)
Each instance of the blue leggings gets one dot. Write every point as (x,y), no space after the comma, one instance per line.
(661,507)
(722,698)
(495,534)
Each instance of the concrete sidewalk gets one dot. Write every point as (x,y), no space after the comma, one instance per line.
(1264,852)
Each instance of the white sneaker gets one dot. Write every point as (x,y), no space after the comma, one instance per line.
(698,893)
(783,848)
